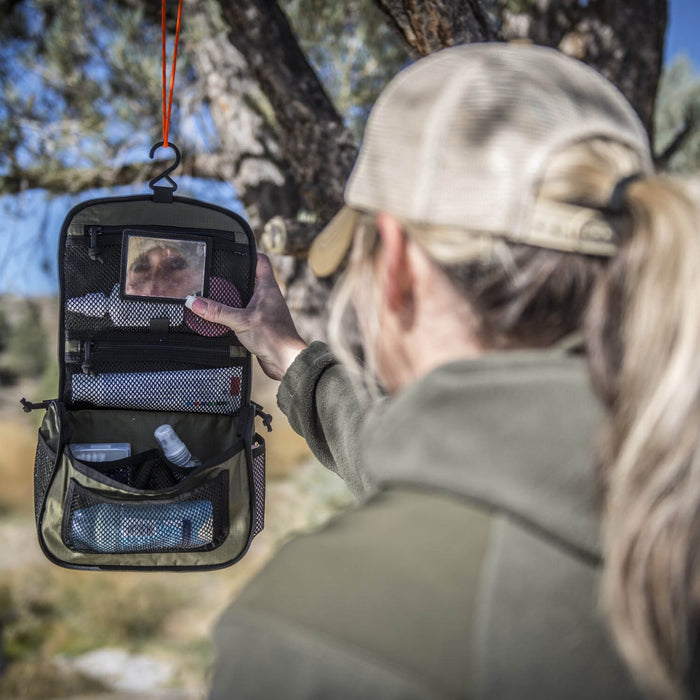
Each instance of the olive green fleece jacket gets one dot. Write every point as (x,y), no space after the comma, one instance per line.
(469,568)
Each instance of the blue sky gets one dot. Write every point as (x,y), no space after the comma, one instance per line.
(683,30)
(24,270)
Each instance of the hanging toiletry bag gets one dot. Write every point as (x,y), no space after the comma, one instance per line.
(133,358)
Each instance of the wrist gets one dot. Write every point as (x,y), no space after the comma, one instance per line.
(276,366)
(289,353)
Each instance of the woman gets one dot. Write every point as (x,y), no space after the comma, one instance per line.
(503,199)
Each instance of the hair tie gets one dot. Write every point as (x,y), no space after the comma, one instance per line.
(616,204)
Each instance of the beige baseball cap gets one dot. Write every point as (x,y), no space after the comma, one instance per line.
(460,140)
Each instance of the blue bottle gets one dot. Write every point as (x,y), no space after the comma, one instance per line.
(134,527)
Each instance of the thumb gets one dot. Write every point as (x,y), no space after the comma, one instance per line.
(215,312)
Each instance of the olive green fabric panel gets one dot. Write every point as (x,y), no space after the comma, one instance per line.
(206,435)
(146,212)
(49,427)
(540,634)
(238,505)
(514,430)
(264,658)
(396,578)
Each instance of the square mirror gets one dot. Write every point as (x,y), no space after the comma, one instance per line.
(161,267)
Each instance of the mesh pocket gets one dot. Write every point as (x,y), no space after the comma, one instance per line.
(94,303)
(229,264)
(259,485)
(196,520)
(83,275)
(148,470)
(43,469)
(216,390)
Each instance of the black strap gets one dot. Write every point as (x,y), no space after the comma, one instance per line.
(159,326)
(163,194)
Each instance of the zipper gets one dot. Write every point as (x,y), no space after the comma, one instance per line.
(94,352)
(266,417)
(113,233)
(95,252)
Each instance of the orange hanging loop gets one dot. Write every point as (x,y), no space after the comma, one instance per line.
(167,107)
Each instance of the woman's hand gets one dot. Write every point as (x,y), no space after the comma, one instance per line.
(265,326)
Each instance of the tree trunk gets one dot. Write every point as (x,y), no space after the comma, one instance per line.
(622,39)
(244,119)
(311,138)
(432,25)
(310,132)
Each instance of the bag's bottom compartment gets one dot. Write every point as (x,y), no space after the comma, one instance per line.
(142,511)
(196,519)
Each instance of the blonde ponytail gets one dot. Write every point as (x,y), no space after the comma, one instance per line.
(644,338)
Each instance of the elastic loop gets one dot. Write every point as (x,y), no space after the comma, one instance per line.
(616,204)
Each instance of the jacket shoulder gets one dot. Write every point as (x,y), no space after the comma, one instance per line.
(390,578)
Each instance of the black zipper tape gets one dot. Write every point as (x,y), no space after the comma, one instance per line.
(112,234)
(96,352)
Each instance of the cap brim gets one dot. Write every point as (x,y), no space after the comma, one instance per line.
(330,247)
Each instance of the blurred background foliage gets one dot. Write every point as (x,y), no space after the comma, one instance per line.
(27,343)
(678,105)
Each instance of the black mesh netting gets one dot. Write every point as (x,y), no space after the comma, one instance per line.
(210,390)
(43,468)
(148,470)
(92,293)
(259,482)
(196,520)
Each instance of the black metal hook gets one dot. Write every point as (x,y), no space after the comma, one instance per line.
(166,173)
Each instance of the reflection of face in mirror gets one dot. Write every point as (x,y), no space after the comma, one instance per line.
(158,267)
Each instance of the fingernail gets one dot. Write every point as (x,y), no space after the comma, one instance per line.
(199,306)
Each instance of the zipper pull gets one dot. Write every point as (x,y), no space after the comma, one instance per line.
(266,417)
(95,252)
(87,360)
(28,406)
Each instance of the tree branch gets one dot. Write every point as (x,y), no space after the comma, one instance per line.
(687,129)
(72,180)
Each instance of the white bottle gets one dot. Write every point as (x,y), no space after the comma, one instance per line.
(124,312)
(174,449)
(100,451)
